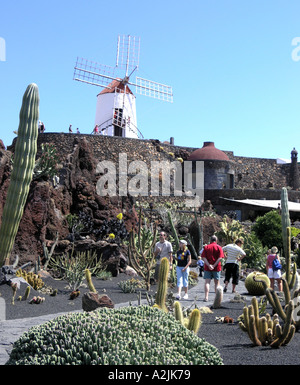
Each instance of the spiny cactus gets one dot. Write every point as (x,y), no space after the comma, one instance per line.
(218,298)
(194,321)
(133,335)
(21,176)
(162,289)
(254,284)
(88,277)
(285,218)
(140,253)
(34,280)
(265,330)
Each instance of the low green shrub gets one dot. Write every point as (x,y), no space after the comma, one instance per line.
(130,335)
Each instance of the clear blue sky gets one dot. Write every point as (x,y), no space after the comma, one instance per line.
(230,63)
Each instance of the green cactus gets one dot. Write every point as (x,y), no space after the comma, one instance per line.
(27,292)
(178,312)
(254,284)
(88,277)
(160,298)
(141,252)
(194,321)
(133,335)
(174,232)
(265,330)
(21,176)
(285,218)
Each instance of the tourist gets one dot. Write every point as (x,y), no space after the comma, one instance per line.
(200,265)
(273,274)
(163,248)
(233,255)
(212,256)
(184,260)
(70,129)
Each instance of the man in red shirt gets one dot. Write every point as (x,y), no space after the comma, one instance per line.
(212,255)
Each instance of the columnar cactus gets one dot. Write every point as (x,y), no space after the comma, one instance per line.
(21,176)
(285,218)
(195,321)
(160,298)
(88,277)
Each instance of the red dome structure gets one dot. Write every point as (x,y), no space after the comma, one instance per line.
(208,152)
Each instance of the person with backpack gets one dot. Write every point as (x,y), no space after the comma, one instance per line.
(274,268)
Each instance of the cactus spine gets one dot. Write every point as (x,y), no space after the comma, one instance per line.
(162,289)
(21,176)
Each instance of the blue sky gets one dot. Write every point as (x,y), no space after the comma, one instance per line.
(234,71)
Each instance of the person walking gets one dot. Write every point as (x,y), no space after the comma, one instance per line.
(184,260)
(272,273)
(212,256)
(163,248)
(233,254)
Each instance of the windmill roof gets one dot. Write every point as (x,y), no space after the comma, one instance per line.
(111,88)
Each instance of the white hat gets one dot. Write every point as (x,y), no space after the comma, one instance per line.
(183,241)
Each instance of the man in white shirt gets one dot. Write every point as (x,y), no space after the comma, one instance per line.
(162,249)
(233,254)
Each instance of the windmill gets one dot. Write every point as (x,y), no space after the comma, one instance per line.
(116,107)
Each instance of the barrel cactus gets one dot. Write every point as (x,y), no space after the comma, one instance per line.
(133,335)
(21,176)
(256,288)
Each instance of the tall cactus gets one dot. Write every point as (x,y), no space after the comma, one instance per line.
(162,289)
(21,176)
(285,218)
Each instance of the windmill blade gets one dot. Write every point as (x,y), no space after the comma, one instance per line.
(128,53)
(153,89)
(90,72)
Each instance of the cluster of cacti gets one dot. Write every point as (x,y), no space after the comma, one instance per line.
(130,285)
(265,330)
(254,283)
(130,335)
(291,296)
(21,176)
(141,252)
(34,280)
(37,300)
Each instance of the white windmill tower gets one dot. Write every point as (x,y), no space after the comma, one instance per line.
(116,107)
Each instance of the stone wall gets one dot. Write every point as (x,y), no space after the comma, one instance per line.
(249,173)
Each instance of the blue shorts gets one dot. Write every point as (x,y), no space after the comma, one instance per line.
(182,276)
(212,274)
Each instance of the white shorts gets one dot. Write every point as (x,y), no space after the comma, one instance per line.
(274,274)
